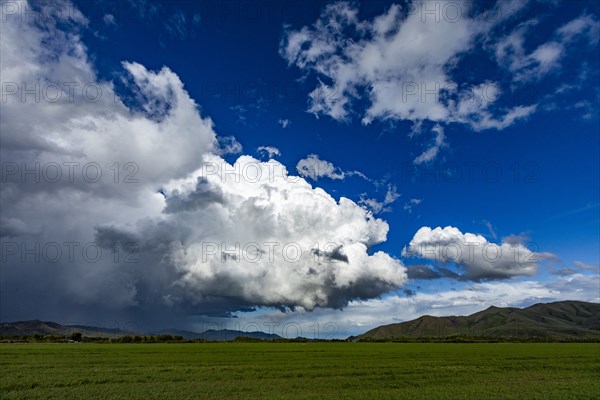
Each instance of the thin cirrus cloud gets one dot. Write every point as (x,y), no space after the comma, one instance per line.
(546,58)
(585,266)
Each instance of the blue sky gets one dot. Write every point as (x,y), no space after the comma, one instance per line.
(475,117)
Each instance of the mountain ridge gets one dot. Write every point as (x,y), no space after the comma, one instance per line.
(561,320)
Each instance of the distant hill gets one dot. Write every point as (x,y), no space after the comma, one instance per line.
(219,335)
(188,335)
(559,320)
(36,327)
(226,334)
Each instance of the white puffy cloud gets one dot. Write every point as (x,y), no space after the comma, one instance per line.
(271,239)
(164,192)
(480,259)
(400,61)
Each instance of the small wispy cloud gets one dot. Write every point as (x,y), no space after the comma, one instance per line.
(491,229)
(229,145)
(314,168)
(408,206)
(378,207)
(284,123)
(109,19)
(432,152)
(268,151)
(584,266)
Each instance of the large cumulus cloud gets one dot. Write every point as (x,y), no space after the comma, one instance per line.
(251,232)
(182,231)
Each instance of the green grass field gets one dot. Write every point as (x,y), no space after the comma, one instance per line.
(300,371)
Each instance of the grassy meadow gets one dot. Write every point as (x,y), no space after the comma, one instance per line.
(301,371)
